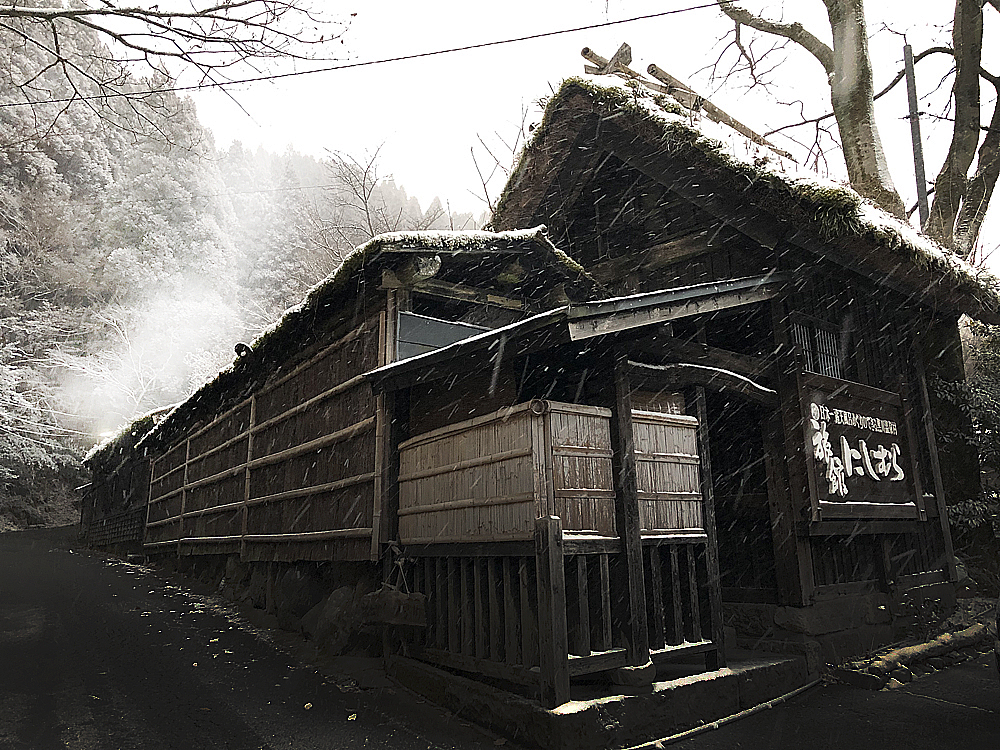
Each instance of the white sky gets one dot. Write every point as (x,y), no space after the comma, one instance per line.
(428,113)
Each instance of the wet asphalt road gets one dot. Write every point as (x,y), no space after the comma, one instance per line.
(98,654)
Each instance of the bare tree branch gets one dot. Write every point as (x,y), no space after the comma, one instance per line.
(68,46)
(794,32)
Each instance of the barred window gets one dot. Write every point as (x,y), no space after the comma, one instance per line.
(820,346)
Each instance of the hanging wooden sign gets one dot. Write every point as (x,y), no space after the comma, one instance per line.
(857,448)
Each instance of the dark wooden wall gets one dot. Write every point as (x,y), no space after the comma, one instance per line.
(286,474)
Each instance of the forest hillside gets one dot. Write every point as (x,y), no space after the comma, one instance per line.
(134,254)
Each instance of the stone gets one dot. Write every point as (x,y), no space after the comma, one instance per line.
(635,676)
(295,592)
(901,674)
(336,620)
(258,587)
(830,616)
(937,662)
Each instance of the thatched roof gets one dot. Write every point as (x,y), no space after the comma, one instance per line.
(813,213)
(281,345)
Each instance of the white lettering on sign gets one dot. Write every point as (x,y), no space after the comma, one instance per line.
(877,464)
(849,418)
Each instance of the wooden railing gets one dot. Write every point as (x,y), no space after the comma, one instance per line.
(543,613)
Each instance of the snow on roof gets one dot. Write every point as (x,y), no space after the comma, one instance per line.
(272,344)
(835,208)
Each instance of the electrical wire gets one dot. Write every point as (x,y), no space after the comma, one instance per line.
(362,64)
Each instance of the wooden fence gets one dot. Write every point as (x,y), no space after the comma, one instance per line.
(488,479)
(542,615)
(510,519)
(122,528)
(285,474)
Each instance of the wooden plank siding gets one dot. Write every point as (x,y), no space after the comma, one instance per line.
(286,474)
(487,479)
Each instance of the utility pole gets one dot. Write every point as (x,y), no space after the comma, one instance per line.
(918,149)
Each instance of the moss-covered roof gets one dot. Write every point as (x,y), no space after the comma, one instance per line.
(300,326)
(108,454)
(764,180)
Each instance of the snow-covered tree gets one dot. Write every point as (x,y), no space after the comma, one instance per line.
(968,175)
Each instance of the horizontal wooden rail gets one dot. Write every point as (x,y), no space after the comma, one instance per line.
(163,521)
(676,458)
(672,652)
(692,496)
(580,450)
(219,448)
(304,536)
(164,498)
(594,492)
(599,661)
(521,497)
(368,325)
(308,536)
(214,478)
(467,464)
(674,536)
(298,450)
(306,405)
(347,433)
(166,474)
(313,490)
(335,437)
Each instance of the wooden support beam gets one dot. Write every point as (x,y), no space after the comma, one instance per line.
(553,639)
(682,374)
(611,316)
(627,521)
(929,431)
(787,474)
(666,349)
(713,660)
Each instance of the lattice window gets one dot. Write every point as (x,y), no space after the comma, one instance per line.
(820,346)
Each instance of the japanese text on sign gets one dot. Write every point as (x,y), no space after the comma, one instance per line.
(878,463)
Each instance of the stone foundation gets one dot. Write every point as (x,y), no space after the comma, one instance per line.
(321,600)
(831,630)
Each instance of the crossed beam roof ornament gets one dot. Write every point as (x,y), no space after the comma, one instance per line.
(674,87)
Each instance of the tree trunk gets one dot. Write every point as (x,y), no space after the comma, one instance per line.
(979,190)
(852,95)
(952,182)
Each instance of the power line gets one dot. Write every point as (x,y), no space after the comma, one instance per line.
(363,64)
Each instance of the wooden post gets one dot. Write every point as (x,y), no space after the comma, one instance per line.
(246,479)
(939,498)
(180,521)
(717,658)
(628,523)
(392,429)
(553,639)
(787,474)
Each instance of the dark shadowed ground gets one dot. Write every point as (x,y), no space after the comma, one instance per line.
(96,653)
(957,708)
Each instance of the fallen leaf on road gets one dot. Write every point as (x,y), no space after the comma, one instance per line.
(352,717)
